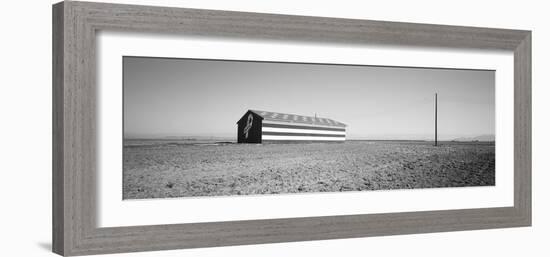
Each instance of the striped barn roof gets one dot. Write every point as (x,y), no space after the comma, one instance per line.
(294,118)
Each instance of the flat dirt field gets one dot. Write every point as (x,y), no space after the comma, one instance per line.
(161,169)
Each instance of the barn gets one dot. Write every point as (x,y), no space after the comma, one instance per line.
(264,126)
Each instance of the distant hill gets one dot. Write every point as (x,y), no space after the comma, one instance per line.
(483,138)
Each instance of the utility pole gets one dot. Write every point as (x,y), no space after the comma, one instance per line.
(435,119)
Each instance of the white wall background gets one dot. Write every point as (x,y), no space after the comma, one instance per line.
(25,111)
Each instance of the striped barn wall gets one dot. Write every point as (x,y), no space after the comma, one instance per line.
(285,131)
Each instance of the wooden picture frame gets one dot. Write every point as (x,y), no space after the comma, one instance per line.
(74,130)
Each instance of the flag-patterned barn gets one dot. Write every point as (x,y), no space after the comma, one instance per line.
(263,126)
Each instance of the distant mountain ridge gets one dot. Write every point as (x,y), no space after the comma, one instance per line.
(484,138)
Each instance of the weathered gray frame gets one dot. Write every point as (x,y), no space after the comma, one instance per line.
(74,127)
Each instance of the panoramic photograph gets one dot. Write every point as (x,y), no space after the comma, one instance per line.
(206,128)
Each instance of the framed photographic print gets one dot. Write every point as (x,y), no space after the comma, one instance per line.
(182,128)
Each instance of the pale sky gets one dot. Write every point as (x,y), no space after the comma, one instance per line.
(186,97)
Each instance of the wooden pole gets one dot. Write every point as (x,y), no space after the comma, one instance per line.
(435,119)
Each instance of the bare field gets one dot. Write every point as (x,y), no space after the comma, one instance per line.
(161,169)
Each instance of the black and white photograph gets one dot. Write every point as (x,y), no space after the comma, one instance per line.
(200,127)
(146,128)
